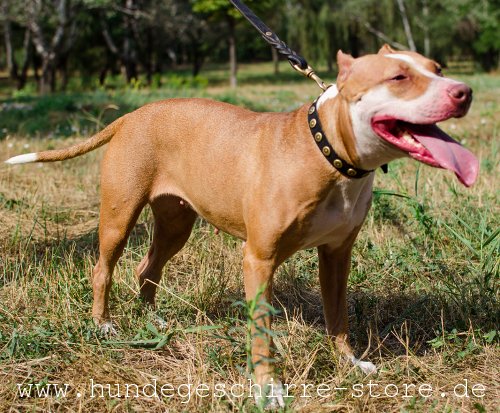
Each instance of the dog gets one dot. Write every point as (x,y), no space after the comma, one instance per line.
(281,182)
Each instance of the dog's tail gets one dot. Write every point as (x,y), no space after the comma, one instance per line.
(90,144)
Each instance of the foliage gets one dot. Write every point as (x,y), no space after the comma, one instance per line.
(102,37)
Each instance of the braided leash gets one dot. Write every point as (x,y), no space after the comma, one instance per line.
(296,61)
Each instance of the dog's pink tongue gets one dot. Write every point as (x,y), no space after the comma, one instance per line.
(447,152)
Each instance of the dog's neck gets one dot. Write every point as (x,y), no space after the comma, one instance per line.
(349,140)
(335,117)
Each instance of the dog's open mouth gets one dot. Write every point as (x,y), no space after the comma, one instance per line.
(429,144)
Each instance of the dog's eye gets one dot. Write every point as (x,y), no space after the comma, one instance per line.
(399,77)
(439,71)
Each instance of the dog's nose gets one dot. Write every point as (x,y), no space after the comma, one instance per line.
(460,93)
(461,97)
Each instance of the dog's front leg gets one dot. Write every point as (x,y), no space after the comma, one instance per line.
(334,266)
(258,272)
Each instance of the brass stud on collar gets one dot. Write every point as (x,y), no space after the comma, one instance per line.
(337,163)
(269,33)
(351,172)
(312,123)
(312,109)
(326,151)
(318,136)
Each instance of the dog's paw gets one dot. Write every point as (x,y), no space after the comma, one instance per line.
(107,329)
(271,397)
(366,367)
(161,323)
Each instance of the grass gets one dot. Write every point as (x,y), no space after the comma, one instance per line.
(423,292)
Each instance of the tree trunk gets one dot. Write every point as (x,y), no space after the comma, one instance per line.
(102,75)
(20,77)
(353,39)
(23,75)
(406,25)
(126,59)
(149,56)
(329,61)
(63,69)
(198,59)
(9,50)
(130,70)
(233,64)
(129,51)
(47,82)
(36,68)
(427,40)
(127,55)
(53,77)
(172,55)
(49,51)
(44,82)
(276,60)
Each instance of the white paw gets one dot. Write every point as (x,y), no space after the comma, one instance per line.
(366,366)
(160,322)
(271,397)
(107,329)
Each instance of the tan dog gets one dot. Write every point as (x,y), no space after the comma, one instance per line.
(261,177)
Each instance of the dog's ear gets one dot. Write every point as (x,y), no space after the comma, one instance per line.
(344,62)
(386,49)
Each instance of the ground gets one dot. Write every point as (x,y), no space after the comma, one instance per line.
(423,292)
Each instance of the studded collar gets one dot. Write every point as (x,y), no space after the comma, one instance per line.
(344,167)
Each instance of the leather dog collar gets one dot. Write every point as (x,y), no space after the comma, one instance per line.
(344,167)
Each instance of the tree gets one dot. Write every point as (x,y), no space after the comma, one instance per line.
(223,10)
(59,38)
(8,10)
(58,17)
(407,26)
(127,53)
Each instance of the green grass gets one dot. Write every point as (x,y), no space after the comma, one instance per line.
(423,285)
(83,113)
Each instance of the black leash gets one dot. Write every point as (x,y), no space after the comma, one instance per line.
(296,61)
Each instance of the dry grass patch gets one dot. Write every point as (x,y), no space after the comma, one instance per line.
(423,292)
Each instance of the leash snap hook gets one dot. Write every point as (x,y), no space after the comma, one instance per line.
(311,74)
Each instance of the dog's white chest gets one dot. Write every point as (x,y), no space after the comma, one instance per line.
(340,214)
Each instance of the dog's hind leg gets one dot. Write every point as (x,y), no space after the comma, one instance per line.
(173,224)
(120,208)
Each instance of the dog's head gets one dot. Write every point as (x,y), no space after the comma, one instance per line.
(396,99)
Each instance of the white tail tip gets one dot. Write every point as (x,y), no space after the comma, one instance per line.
(26,158)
